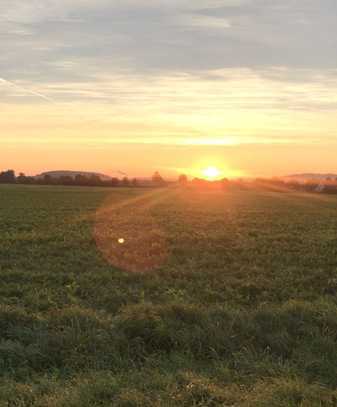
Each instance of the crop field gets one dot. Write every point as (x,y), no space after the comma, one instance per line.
(168,297)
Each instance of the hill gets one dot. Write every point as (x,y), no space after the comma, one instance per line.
(73,174)
(310,176)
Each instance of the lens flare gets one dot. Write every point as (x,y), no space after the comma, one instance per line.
(129,236)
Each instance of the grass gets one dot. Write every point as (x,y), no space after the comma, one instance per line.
(241,310)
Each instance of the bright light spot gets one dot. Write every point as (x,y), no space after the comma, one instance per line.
(211,172)
(121,240)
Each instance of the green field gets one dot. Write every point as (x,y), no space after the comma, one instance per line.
(241,310)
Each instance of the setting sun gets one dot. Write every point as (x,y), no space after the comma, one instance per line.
(211,172)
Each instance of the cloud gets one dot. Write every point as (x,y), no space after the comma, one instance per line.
(243,88)
(201,66)
(164,35)
(197,21)
(227,106)
(24,91)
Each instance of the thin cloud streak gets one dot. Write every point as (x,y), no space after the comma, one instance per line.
(25,90)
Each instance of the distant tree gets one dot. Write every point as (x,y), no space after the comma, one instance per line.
(125,182)
(135,182)
(22,179)
(7,177)
(157,179)
(95,180)
(66,180)
(114,182)
(183,179)
(47,179)
(81,180)
(30,180)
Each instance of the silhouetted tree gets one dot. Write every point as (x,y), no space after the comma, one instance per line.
(21,179)
(66,180)
(157,179)
(7,177)
(81,180)
(95,180)
(125,182)
(182,179)
(114,182)
(47,179)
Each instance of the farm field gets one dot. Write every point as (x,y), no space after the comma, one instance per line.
(169,297)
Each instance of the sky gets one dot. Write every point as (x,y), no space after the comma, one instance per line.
(249,86)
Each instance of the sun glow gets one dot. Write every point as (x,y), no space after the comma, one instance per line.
(211,173)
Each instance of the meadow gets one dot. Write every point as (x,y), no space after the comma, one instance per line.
(212,298)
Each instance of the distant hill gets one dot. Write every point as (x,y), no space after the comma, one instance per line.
(308,176)
(72,174)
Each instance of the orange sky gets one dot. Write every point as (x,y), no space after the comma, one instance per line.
(200,126)
(143,160)
(249,86)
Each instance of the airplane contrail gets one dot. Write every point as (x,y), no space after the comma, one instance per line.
(37,94)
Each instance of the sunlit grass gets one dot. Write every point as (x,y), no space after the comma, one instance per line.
(241,310)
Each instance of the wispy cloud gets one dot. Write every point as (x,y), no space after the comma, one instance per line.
(187,70)
(197,21)
(25,90)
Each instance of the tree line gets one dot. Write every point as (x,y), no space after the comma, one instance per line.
(328,185)
(9,177)
(324,185)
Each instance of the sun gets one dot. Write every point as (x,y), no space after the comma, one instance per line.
(211,173)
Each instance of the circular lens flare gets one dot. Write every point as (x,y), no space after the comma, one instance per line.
(128,235)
